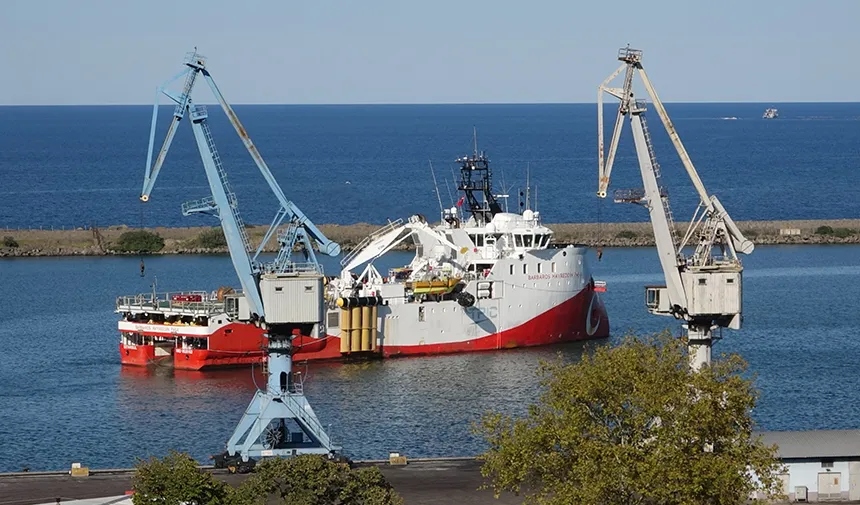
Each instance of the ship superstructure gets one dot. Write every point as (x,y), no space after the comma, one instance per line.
(770,113)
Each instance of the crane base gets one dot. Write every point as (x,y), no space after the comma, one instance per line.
(700,339)
(278,426)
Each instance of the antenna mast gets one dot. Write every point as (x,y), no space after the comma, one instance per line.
(528,186)
(435,185)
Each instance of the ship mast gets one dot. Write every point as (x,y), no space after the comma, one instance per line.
(477,186)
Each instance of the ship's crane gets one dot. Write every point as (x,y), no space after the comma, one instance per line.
(283,297)
(703,288)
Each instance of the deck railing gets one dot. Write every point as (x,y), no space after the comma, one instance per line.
(186,302)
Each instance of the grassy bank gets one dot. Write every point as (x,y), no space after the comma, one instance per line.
(202,240)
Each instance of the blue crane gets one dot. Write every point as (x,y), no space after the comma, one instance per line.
(283,297)
(245,259)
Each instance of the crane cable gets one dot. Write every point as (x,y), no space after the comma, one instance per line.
(599,230)
(142,265)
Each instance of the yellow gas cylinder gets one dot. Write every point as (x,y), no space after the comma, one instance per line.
(344,330)
(366,324)
(355,334)
(374,328)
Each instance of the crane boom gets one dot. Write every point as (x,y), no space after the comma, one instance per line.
(327,246)
(224,199)
(659,219)
(702,289)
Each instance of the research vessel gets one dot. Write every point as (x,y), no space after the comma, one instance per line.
(481,279)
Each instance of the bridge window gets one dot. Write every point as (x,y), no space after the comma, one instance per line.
(527,240)
(518,240)
(479,241)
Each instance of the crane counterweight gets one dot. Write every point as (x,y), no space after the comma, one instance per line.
(703,289)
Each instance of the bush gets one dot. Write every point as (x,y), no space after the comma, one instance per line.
(315,479)
(824,230)
(212,238)
(176,479)
(309,479)
(843,232)
(9,242)
(139,241)
(626,234)
(750,233)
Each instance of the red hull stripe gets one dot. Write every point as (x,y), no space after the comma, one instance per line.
(580,318)
(200,359)
(567,322)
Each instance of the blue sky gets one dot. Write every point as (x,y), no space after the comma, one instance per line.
(438,51)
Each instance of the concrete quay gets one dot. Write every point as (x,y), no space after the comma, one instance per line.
(420,482)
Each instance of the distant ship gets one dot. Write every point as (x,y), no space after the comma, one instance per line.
(770,113)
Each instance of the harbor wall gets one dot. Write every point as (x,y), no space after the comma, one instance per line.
(88,241)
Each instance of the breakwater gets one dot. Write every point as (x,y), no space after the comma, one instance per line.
(102,241)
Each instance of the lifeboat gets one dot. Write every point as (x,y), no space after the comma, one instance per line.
(435,287)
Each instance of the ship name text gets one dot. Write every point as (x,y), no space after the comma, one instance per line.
(558,275)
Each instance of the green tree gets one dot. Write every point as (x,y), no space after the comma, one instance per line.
(10,242)
(633,425)
(824,230)
(139,241)
(176,480)
(626,234)
(212,238)
(311,480)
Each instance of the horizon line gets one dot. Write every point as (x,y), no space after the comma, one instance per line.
(389,104)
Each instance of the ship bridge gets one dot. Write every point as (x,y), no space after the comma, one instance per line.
(508,233)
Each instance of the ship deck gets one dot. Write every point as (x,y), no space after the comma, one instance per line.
(166,304)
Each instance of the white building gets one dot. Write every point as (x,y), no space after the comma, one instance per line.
(822,464)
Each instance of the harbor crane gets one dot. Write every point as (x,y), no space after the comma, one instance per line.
(283,297)
(702,288)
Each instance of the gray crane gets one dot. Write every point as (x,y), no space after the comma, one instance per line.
(703,274)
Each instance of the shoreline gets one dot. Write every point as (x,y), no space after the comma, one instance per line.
(99,241)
